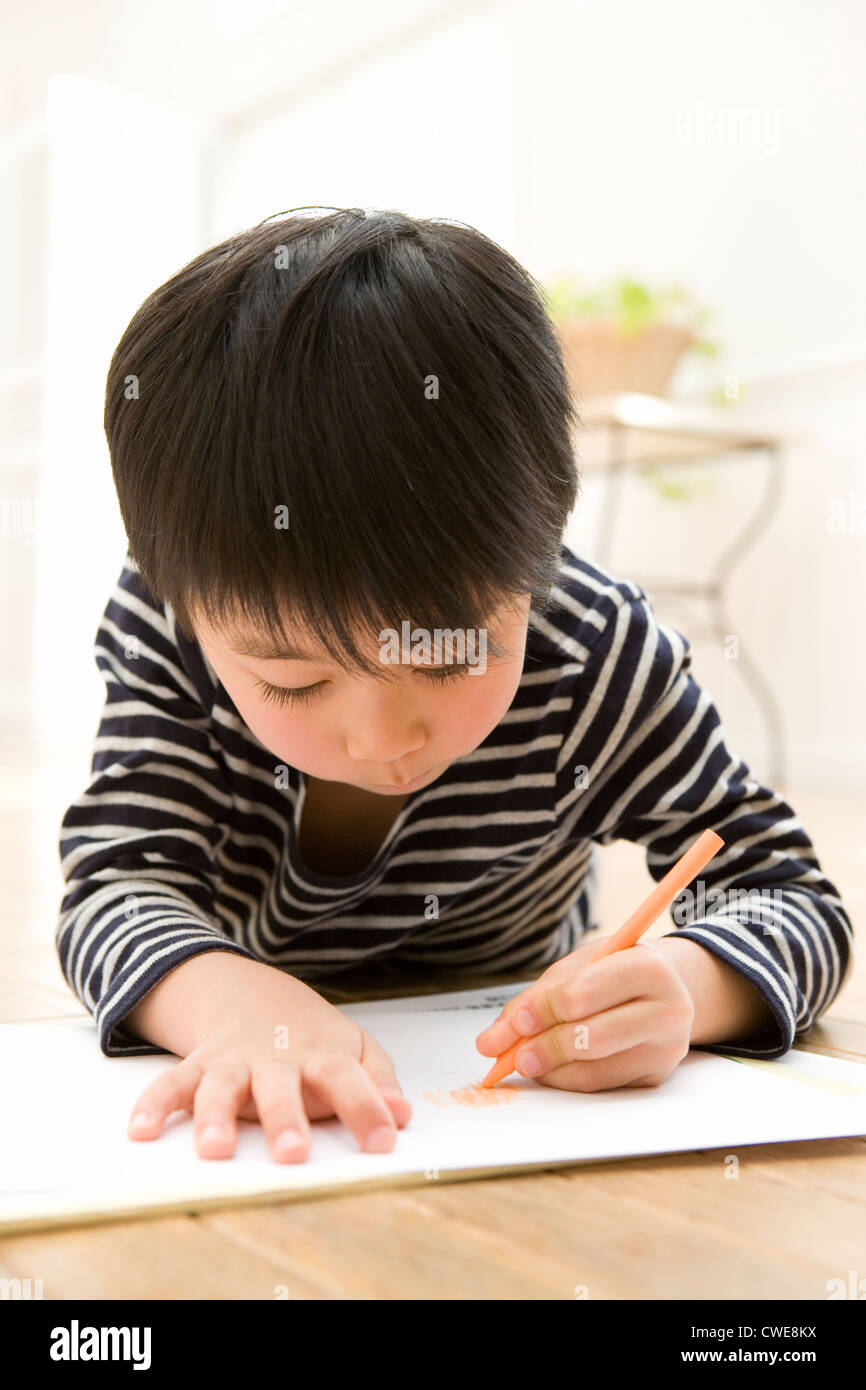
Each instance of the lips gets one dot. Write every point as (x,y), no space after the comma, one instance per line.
(404,786)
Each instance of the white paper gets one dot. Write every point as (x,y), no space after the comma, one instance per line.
(66,1156)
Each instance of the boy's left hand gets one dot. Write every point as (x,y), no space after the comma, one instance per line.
(625,1020)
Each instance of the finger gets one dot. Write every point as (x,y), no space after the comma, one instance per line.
(614,1030)
(645,1065)
(527,1013)
(503,1031)
(380,1069)
(276,1089)
(506,1029)
(354,1097)
(591,989)
(172,1090)
(221,1093)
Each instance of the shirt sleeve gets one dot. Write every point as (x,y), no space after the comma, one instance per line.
(139,847)
(646,760)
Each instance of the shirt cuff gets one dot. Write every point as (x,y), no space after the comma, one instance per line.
(734,943)
(117,1041)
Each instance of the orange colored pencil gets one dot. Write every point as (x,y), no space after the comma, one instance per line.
(675,880)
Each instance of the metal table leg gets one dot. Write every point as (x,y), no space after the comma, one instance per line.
(713,591)
(612,492)
(727,561)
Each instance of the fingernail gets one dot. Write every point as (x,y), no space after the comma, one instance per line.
(530,1064)
(381,1138)
(140,1120)
(524,1020)
(287,1142)
(213,1133)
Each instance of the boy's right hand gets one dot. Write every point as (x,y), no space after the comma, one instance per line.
(330,1066)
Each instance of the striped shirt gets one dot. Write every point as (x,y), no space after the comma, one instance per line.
(186,838)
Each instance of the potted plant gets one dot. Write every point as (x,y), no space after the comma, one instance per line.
(623,335)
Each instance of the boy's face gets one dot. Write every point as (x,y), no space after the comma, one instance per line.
(387,736)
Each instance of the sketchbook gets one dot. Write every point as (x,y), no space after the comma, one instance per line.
(67,1159)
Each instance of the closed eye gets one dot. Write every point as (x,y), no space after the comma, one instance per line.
(303,694)
(284,695)
(443,673)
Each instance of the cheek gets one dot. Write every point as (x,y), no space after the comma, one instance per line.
(290,734)
(300,738)
(479,703)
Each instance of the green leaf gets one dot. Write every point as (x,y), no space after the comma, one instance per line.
(631,304)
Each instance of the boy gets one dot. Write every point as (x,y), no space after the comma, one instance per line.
(326,433)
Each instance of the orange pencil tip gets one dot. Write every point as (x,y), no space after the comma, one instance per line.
(503,1066)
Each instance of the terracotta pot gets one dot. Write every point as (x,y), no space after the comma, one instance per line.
(600,360)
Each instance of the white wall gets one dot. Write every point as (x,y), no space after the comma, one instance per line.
(717,144)
(426,127)
(114,183)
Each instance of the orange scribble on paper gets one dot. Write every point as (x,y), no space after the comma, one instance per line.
(475,1094)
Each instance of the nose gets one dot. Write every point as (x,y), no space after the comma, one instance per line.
(384,729)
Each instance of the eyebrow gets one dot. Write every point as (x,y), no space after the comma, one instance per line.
(265,649)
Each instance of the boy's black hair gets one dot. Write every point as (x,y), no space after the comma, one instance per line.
(290,367)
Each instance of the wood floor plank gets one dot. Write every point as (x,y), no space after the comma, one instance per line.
(172,1258)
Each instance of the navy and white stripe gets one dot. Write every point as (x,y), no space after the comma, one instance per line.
(186,838)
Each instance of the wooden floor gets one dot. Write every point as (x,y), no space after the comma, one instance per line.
(650,1228)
